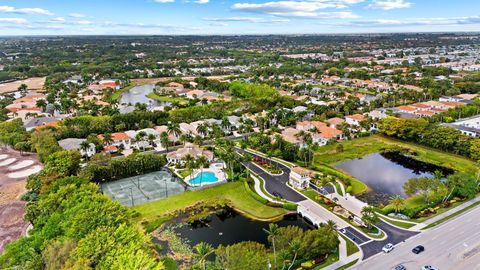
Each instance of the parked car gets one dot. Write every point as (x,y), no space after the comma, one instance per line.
(278,195)
(418,249)
(429,267)
(400,267)
(387,248)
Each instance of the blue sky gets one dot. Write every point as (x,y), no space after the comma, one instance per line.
(137,17)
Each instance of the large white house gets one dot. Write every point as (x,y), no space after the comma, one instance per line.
(299,178)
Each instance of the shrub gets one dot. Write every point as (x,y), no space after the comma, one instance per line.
(290,206)
(254,194)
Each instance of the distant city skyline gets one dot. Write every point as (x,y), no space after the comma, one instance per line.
(229,17)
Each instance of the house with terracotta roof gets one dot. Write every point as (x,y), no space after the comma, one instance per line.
(309,125)
(325,134)
(195,151)
(354,119)
(118,139)
(335,121)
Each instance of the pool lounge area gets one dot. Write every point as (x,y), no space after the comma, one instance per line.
(209,176)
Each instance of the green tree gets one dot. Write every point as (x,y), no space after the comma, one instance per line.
(272,233)
(397,202)
(202,251)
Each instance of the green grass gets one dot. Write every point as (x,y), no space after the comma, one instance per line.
(360,147)
(184,173)
(399,223)
(169,263)
(339,189)
(234,192)
(451,216)
(351,247)
(332,258)
(119,92)
(157,97)
(348,265)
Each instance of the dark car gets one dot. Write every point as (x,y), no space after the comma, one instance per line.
(418,249)
(400,267)
(276,194)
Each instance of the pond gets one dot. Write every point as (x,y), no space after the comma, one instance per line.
(138,94)
(230,227)
(385,173)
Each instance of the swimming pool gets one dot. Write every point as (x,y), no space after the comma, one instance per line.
(203,178)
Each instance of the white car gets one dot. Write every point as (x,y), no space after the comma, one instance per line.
(429,267)
(387,248)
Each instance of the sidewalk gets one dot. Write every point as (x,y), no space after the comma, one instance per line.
(343,258)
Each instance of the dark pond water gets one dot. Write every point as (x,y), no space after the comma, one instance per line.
(138,94)
(230,227)
(385,173)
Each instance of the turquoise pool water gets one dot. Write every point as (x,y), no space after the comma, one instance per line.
(204,177)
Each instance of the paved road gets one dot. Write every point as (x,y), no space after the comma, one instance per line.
(394,236)
(452,245)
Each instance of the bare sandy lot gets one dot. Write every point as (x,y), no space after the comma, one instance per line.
(32,83)
(14,171)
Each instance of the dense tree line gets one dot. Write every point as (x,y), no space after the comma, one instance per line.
(113,169)
(432,135)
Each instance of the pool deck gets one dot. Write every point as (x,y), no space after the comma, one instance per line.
(219,174)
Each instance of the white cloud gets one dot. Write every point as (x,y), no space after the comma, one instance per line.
(246,19)
(296,9)
(389,4)
(84,22)
(201,1)
(164,1)
(14,20)
(36,11)
(77,15)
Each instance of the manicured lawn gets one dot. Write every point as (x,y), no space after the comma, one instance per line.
(360,147)
(157,97)
(184,173)
(332,258)
(348,265)
(351,247)
(119,92)
(399,223)
(234,192)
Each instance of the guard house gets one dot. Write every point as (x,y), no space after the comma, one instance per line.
(299,178)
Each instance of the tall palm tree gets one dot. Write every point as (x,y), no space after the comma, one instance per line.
(225,124)
(397,202)
(202,162)
(164,140)
(202,251)
(85,146)
(272,232)
(331,226)
(107,138)
(151,138)
(174,129)
(295,246)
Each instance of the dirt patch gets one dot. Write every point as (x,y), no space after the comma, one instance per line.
(32,84)
(12,224)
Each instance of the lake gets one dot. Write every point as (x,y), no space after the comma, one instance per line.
(385,173)
(138,94)
(230,227)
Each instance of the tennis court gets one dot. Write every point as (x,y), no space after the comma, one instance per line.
(143,188)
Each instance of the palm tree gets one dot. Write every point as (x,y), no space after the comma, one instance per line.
(397,202)
(331,226)
(164,140)
(225,124)
(202,162)
(370,216)
(272,232)
(183,139)
(202,129)
(151,138)
(174,129)
(107,138)
(202,251)
(295,246)
(85,146)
